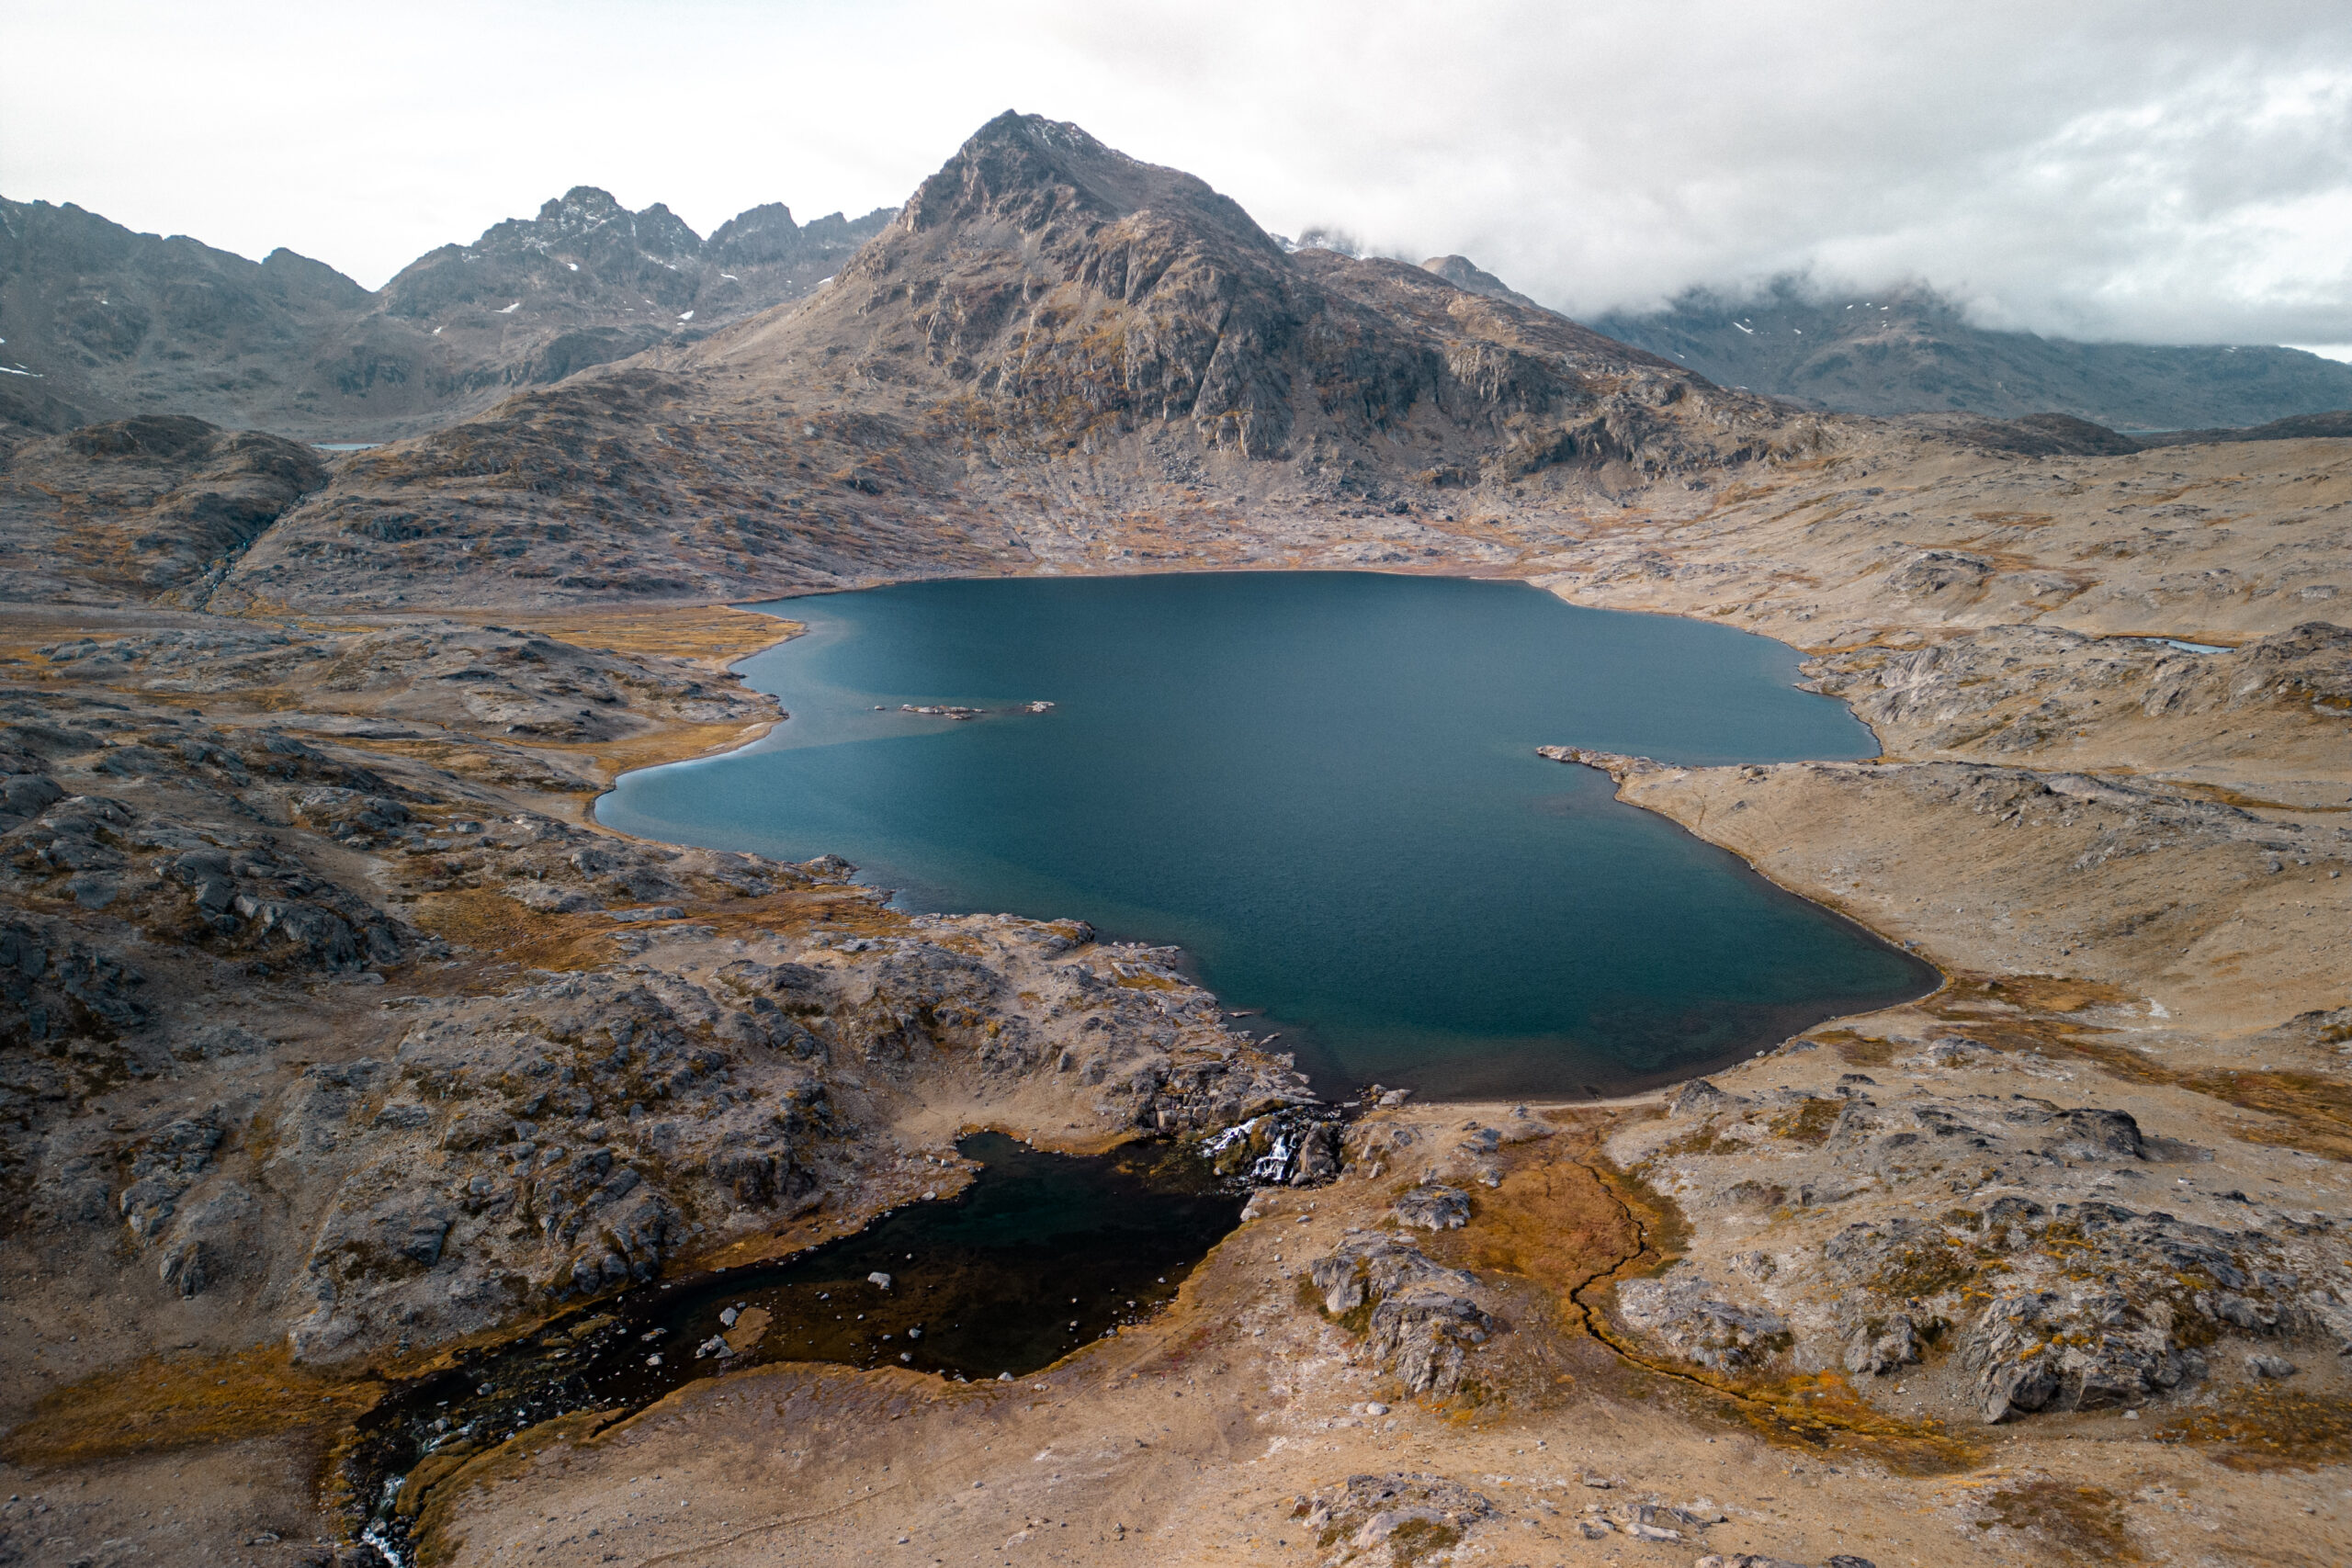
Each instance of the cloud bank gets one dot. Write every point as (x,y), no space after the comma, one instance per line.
(2165,171)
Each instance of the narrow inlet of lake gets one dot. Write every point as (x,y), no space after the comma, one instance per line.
(1323,786)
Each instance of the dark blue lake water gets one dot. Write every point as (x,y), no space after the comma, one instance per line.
(1323,786)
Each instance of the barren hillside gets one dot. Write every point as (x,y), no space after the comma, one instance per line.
(339,1046)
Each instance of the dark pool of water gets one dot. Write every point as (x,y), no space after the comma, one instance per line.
(1038,1255)
(1324,786)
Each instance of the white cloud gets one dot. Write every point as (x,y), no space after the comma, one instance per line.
(2165,171)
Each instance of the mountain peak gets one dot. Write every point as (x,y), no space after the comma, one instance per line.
(663,233)
(1028,170)
(102,323)
(584,210)
(582,206)
(762,233)
(1465,274)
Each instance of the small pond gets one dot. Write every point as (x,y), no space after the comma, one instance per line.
(1040,1255)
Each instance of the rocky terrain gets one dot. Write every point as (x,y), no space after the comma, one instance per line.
(1906,349)
(332,1036)
(147,508)
(1742,1325)
(338,1039)
(1052,351)
(1056,358)
(99,322)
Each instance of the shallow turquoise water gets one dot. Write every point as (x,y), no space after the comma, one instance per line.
(1323,786)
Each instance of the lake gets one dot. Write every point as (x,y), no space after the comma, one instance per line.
(1323,786)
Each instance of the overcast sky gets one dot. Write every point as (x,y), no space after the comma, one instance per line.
(2166,172)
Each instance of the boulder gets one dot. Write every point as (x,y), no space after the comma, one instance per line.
(1319,1155)
(2015,1388)
(1880,1352)
(2089,1134)
(1362,1513)
(1420,1333)
(187,1268)
(1433,1207)
(1684,1311)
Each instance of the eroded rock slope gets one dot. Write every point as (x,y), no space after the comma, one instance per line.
(1048,334)
(310,1035)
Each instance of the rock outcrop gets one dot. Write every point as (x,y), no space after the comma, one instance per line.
(2046,1292)
(1432,1206)
(1685,1312)
(139,508)
(1420,1319)
(1396,1518)
(369,1158)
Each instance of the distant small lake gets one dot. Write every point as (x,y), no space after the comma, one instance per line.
(1323,786)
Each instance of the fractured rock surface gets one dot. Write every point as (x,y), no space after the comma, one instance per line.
(2045,1292)
(1422,1317)
(374,1158)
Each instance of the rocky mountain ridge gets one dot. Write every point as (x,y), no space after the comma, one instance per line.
(1049,332)
(100,322)
(1463,273)
(1909,350)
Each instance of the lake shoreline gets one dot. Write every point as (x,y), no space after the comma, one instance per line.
(2195,1034)
(1509,1039)
(693,749)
